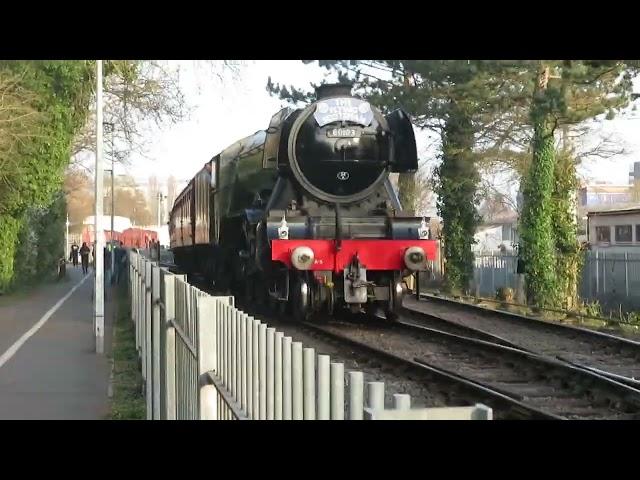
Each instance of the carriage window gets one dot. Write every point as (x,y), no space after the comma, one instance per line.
(603,234)
(623,233)
(637,233)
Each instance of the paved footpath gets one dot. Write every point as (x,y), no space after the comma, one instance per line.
(48,366)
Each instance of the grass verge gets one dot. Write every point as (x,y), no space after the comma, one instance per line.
(127,402)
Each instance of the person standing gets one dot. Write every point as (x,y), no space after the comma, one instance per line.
(84,255)
(120,263)
(75,251)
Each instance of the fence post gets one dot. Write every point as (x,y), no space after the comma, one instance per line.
(262,369)
(287,383)
(296,381)
(147,342)
(223,339)
(482,412)
(206,335)
(243,362)
(401,401)
(356,396)
(589,262)
(375,395)
(249,360)
(234,351)
(256,369)
(309,384)
(270,374)
(626,274)
(139,310)
(337,391)
(141,321)
(170,347)
(604,273)
(506,273)
(277,377)
(493,276)
(132,288)
(238,362)
(324,387)
(155,339)
(597,275)
(229,347)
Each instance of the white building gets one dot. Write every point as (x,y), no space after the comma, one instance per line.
(495,236)
(614,228)
(120,224)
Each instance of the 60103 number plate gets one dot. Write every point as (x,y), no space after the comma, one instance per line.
(344,132)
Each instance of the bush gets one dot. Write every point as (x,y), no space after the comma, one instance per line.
(505,294)
(32,245)
(9,228)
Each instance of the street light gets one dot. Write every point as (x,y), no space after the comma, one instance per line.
(98,305)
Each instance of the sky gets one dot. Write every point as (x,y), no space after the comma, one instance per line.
(224,111)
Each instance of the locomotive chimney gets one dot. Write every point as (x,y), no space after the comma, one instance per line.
(333,90)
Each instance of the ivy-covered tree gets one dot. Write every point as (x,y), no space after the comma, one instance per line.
(33,170)
(565,94)
(47,117)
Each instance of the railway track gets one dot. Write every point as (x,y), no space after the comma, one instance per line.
(608,355)
(543,384)
(427,384)
(460,365)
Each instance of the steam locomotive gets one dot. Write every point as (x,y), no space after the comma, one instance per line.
(303,215)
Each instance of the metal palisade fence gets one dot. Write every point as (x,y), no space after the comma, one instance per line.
(611,278)
(202,358)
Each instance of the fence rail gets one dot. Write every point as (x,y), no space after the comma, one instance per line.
(202,358)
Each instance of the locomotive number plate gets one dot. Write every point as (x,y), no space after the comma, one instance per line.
(344,133)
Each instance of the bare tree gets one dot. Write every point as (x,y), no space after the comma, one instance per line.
(143,95)
(137,94)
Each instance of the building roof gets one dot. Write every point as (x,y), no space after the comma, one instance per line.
(607,188)
(501,218)
(620,209)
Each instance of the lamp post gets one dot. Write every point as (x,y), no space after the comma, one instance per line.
(98,310)
(161,198)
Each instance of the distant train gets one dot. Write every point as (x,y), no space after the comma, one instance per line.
(131,237)
(303,215)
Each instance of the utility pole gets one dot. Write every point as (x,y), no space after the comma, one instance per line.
(98,310)
(161,198)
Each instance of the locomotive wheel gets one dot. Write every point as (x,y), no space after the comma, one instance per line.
(301,300)
(396,293)
(260,294)
(248,290)
(331,301)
